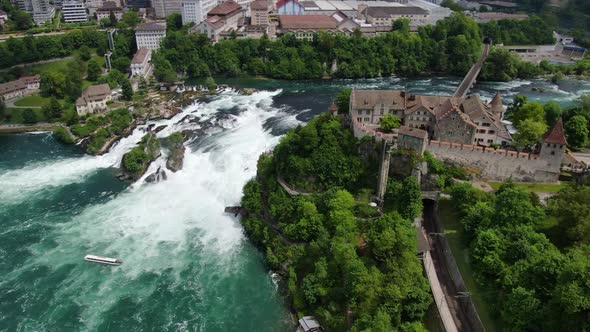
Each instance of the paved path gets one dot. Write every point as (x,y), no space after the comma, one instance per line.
(469,79)
(10,104)
(288,189)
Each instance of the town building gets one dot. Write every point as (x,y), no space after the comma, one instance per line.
(3,17)
(306,26)
(222,19)
(74,11)
(259,12)
(385,16)
(458,120)
(41,10)
(164,8)
(195,11)
(107,8)
(149,35)
(140,65)
(20,87)
(137,4)
(290,7)
(564,51)
(94,5)
(484,17)
(412,139)
(94,99)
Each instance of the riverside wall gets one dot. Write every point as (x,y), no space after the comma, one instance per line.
(498,164)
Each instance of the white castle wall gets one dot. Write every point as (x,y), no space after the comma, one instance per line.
(498,164)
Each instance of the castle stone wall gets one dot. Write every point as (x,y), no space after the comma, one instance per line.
(498,164)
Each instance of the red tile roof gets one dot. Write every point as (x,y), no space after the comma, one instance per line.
(259,5)
(224,8)
(555,134)
(302,22)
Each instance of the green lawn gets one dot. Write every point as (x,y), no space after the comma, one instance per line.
(482,298)
(14,115)
(534,187)
(32,101)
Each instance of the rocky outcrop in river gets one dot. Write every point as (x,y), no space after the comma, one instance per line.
(176,155)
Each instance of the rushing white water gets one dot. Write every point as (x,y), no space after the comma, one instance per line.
(156,227)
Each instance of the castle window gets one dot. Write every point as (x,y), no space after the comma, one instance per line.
(553,153)
(490,141)
(359,119)
(367,119)
(368,112)
(381,112)
(360,112)
(491,132)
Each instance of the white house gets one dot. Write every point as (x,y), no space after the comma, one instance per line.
(19,88)
(195,11)
(94,99)
(149,35)
(140,65)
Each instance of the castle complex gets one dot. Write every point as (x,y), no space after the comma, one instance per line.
(457,129)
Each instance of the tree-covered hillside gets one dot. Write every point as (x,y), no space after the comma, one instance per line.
(342,261)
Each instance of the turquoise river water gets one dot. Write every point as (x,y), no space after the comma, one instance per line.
(187,265)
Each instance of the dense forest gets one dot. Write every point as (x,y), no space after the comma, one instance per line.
(540,276)
(451,46)
(342,261)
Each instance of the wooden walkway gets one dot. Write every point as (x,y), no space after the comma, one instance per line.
(471,76)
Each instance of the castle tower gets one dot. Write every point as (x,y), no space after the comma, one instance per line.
(497,107)
(553,145)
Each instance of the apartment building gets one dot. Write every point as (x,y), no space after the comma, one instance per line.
(74,11)
(149,35)
(164,8)
(195,11)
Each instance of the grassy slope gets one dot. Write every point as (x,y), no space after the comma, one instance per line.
(482,298)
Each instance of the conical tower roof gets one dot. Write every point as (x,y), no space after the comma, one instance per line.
(496,103)
(555,134)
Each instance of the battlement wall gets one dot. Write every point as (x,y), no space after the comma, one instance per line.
(498,164)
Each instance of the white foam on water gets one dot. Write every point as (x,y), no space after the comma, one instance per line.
(152,227)
(39,177)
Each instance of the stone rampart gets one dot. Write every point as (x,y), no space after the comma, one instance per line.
(498,164)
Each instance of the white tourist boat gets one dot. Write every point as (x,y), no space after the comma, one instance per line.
(102,260)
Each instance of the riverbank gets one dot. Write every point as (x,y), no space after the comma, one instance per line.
(26,128)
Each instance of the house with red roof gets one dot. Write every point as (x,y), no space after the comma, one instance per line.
(306,26)
(223,19)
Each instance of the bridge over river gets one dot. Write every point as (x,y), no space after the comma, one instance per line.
(469,79)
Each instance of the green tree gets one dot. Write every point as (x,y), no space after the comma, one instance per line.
(53,109)
(84,52)
(122,64)
(517,103)
(29,116)
(343,100)
(389,122)
(127,90)
(22,20)
(576,130)
(131,18)
(552,112)
(174,22)
(520,309)
(529,132)
(529,111)
(572,292)
(93,71)
(570,207)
